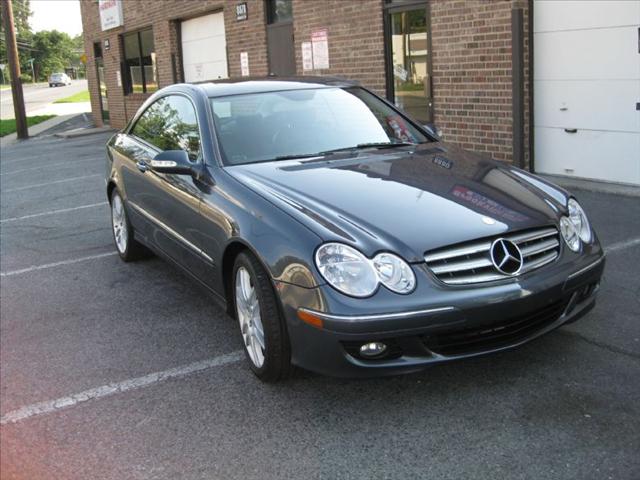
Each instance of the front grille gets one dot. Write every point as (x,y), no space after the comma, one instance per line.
(471,262)
(489,337)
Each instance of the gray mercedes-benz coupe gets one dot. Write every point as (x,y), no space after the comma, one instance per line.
(343,236)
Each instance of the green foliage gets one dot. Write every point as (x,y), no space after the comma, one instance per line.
(162,126)
(9,126)
(21,14)
(25,77)
(54,52)
(78,97)
(51,51)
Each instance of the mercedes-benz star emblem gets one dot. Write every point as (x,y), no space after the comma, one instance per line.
(506,256)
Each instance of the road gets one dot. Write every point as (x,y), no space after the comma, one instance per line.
(38,96)
(114,371)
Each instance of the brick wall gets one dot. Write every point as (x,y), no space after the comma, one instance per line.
(356,38)
(471,44)
(164,16)
(471,56)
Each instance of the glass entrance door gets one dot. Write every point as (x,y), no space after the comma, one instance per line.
(102,84)
(409,76)
(104,102)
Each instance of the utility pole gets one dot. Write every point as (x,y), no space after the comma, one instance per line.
(14,68)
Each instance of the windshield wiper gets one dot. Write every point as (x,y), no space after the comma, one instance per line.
(300,155)
(359,146)
(378,145)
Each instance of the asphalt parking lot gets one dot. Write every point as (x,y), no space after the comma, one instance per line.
(129,371)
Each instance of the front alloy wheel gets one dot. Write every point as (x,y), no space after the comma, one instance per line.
(264,332)
(248,311)
(128,247)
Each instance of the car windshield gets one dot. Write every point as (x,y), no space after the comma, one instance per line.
(309,122)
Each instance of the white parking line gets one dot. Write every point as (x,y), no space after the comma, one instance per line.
(50,406)
(4,163)
(70,163)
(53,212)
(622,245)
(51,183)
(33,268)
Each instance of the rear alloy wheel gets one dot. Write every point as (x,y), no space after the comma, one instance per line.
(128,247)
(263,330)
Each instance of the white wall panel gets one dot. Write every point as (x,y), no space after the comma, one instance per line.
(596,54)
(555,15)
(609,156)
(591,104)
(587,77)
(204,48)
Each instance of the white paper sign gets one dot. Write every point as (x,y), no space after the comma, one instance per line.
(400,72)
(119,78)
(307,56)
(320,47)
(110,14)
(244,64)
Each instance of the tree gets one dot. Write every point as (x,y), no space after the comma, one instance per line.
(21,14)
(53,51)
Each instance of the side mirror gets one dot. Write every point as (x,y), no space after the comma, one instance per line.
(172,161)
(433,130)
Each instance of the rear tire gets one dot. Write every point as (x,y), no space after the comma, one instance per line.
(263,329)
(127,246)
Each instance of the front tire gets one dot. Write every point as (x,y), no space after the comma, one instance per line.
(127,246)
(263,330)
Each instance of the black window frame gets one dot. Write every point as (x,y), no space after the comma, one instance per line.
(127,82)
(270,7)
(397,6)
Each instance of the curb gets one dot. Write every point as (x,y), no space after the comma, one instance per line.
(81,132)
(36,129)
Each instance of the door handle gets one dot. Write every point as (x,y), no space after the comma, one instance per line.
(142,166)
(571,130)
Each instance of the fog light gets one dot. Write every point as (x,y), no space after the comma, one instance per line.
(372,349)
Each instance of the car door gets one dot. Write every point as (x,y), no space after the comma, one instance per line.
(167,204)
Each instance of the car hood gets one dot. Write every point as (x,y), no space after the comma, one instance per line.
(407,200)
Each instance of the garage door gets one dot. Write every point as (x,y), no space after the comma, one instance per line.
(587,89)
(204,48)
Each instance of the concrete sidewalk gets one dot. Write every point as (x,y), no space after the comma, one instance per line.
(12,138)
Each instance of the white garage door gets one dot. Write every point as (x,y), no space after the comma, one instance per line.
(587,89)
(204,48)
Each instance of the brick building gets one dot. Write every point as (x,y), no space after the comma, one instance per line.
(464,65)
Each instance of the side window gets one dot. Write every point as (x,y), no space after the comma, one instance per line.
(170,124)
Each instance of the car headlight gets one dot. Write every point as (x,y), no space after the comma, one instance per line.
(350,272)
(570,233)
(346,269)
(394,273)
(579,220)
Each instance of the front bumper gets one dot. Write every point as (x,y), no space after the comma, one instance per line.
(464,323)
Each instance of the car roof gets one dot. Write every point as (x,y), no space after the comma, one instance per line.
(238,86)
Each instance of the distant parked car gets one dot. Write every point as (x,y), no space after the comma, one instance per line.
(61,79)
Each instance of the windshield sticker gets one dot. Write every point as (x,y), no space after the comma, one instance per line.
(399,127)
